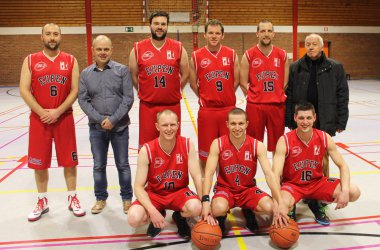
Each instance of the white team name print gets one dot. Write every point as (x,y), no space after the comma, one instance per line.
(179,158)
(169,55)
(296,151)
(256,63)
(147,55)
(63,66)
(317,150)
(40,66)
(205,63)
(277,62)
(226,61)
(226,154)
(247,156)
(158,162)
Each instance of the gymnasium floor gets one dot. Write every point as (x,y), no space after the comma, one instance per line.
(355,227)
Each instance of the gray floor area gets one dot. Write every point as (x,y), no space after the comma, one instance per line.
(355,227)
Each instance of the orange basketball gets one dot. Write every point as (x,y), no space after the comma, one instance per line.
(206,236)
(285,237)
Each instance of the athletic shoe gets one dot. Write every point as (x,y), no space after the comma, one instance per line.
(98,207)
(183,227)
(292,213)
(74,206)
(126,205)
(40,209)
(319,212)
(154,231)
(251,222)
(222,224)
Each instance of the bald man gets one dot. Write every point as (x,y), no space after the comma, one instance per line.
(49,86)
(106,96)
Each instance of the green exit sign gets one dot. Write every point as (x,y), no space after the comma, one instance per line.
(128,29)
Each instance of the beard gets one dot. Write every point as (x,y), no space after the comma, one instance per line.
(263,43)
(158,38)
(51,46)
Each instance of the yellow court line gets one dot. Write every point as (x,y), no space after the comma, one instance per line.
(240,240)
(190,113)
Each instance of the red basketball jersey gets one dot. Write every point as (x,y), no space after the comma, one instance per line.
(303,163)
(266,75)
(215,76)
(168,172)
(237,167)
(159,71)
(51,80)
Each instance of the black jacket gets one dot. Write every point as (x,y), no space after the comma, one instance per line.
(332,93)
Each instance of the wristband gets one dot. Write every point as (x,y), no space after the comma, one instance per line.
(205,198)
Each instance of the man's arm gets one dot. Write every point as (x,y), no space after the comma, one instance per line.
(286,77)
(193,78)
(236,72)
(54,114)
(244,74)
(289,98)
(127,101)
(342,98)
(25,90)
(134,69)
(211,165)
(139,188)
(343,197)
(195,170)
(184,68)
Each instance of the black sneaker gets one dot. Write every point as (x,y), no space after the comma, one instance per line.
(154,231)
(251,220)
(319,212)
(222,224)
(292,213)
(183,227)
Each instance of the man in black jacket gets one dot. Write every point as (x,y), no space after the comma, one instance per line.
(322,82)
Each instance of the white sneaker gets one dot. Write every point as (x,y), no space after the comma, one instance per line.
(74,206)
(40,209)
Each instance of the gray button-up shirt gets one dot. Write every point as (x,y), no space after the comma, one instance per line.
(107,93)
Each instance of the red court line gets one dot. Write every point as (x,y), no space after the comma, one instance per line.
(345,147)
(12,109)
(14,117)
(23,161)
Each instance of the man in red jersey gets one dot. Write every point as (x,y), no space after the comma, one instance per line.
(214,77)
(160,70)
(236,155)
(162,179)
(264,73)
(49,86)
(298,164)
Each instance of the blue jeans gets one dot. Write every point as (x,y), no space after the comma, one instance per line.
(100,140)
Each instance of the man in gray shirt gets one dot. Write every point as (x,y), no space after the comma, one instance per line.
(106,96)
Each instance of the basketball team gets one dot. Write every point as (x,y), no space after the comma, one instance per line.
(310,97)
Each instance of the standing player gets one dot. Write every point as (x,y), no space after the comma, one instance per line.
(49,86)
(298,162)
(214,77)
(160,69)
(236,154)
(265,67)
(162,179)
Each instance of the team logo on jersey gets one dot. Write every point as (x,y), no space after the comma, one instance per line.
(147,55)
(63,66)
(40,66)
(277,62)
(296,151)
(226,61)
(247,156)
(256,63)
(169,55)
(179,158)
(317,150)
(205,63)
(158,162)
(227,154)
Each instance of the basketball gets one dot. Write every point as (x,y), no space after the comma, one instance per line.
(285,237)
(206,236)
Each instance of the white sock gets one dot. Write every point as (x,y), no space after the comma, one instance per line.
(42,195)
(72,193)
